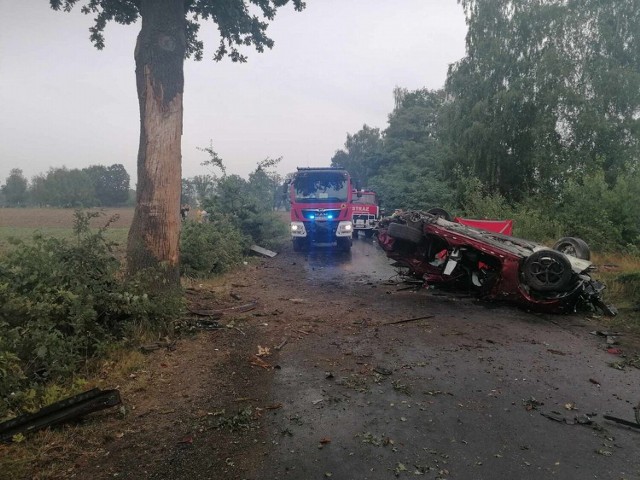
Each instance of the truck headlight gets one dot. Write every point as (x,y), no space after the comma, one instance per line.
(298,230)
(345,228)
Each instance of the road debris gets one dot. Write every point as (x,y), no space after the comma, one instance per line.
(382,370)
(622,421)
(263,351)
(169,345)
(262,251)
(279,347)
(258,362)
(71,408)
(407,320)
(531,404)
(208,324)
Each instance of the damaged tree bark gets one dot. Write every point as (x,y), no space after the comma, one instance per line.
(159,54)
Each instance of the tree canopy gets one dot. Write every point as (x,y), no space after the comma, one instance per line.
(237,25)
(169,33)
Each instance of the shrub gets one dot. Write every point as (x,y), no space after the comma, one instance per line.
(61,304)
(211,248)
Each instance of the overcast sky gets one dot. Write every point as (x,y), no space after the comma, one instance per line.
(332,69)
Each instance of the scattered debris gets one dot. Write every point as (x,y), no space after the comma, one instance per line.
(594,381)
(258,362)
(382,370)
(614,351)
(235,296)
(532,404)
(262,251)
(556,352)
(623,421)
(70,408)
(325,441)
(169,345)
(279,347)
(570,406)
(407,320)
(263,351)
(219,312)
(208,324)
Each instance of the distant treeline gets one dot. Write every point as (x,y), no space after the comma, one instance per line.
(93,186)
(539,122)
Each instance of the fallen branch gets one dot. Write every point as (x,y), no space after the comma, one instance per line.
(284,342)
(407,320)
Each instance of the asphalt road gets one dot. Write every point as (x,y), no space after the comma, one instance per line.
(464,394)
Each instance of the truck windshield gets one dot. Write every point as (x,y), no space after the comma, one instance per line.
(320,187)
(366,198)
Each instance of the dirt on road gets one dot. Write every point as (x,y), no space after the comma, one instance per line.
(325,379)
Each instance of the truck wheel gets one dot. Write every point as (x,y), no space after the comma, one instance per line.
(573,246)
(299,244)
(548,271)
(404,232)
(344,244)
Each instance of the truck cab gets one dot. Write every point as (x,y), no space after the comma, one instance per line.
(321,208)
(365,212)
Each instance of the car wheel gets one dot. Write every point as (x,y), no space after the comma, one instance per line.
(573,246)
(548,271)
(440,212)
(404,232)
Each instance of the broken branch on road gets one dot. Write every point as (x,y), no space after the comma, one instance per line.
(407,320)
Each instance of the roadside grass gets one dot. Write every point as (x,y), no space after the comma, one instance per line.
(49,448)
(621,275)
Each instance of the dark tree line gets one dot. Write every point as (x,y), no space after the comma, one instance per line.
(540,120)
(93,186)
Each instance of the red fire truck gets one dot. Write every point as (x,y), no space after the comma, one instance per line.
(365,212)
(320,208)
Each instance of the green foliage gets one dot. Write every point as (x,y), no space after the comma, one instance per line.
(547,91)
(15,189)
(111,184)
(212,247)
(61,304)
(362,155)
(237,22)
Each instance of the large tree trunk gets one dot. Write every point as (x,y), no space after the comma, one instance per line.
(155,231)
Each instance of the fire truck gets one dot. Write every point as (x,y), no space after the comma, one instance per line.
(320,208)
(365,212)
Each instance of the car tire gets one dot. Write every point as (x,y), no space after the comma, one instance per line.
(573,246)
(404,232)
(440,212)
(548,271)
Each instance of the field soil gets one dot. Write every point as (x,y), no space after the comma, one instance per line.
(60,217)
(324,366)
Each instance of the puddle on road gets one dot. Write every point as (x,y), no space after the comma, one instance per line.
(365,263)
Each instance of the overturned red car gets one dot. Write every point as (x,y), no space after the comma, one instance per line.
(493,265)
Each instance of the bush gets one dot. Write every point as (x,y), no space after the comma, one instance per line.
(62,303)
(211,248)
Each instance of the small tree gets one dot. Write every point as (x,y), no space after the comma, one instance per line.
(15,188)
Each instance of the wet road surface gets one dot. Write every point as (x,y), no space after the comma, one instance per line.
(461,395)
